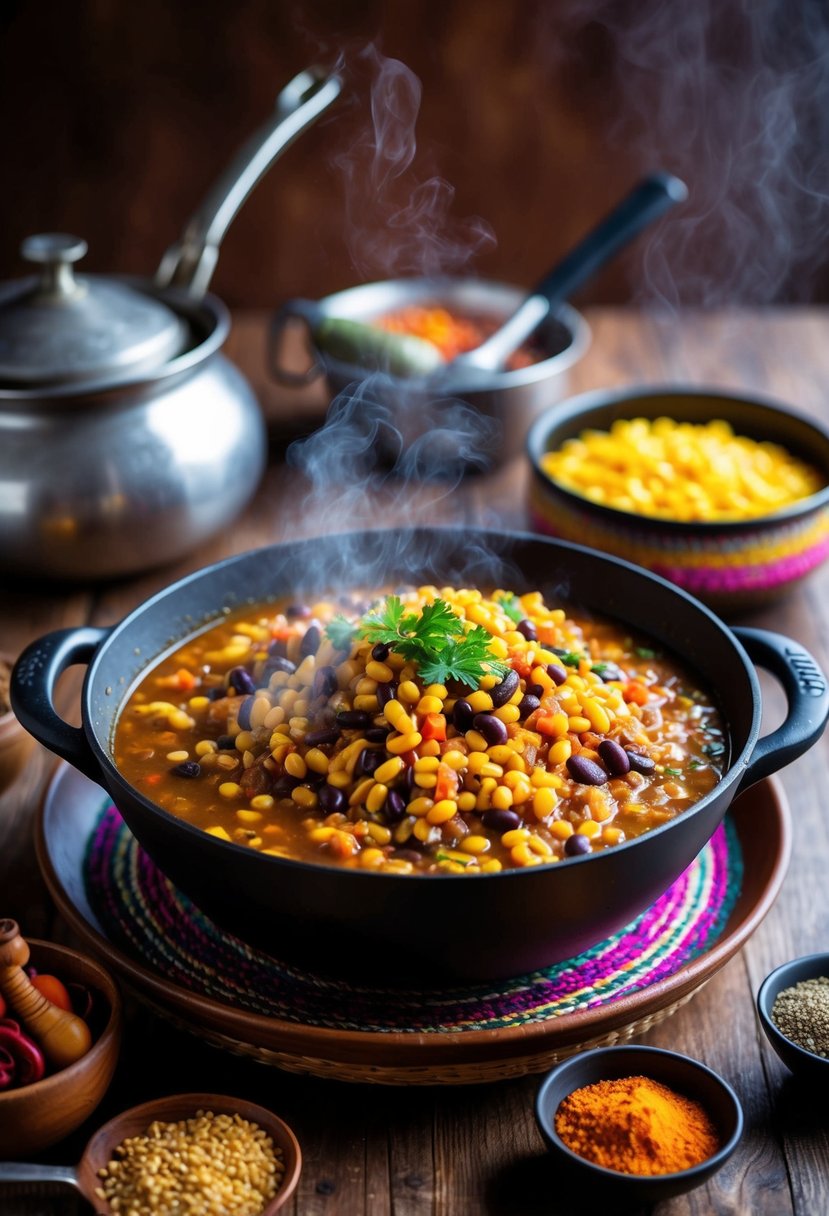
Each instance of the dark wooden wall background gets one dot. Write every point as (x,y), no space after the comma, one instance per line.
(117,114)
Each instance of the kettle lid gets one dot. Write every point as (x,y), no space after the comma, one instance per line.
(60,329)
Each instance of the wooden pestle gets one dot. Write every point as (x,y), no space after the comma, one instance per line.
(63,1036)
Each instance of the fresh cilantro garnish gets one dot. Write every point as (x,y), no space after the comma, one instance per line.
(570,658)
(511,606)
(341,632)
(435,639)
(599,668)
(645,652)
(674,772)
(457,860)
(696,763)
(714,749)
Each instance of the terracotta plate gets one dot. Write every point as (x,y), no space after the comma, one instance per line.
(67,817)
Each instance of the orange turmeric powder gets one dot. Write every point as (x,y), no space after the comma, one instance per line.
(636,1126)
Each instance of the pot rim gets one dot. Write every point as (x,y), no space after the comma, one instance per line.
(113,779)
(574,407)
(215,322)
(415,288)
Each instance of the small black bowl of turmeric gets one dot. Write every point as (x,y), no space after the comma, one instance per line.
(637,1124)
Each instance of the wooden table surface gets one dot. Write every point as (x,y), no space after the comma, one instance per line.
(475,1149)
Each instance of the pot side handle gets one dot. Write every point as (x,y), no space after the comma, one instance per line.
(294,310)
(807,696)
(33,681)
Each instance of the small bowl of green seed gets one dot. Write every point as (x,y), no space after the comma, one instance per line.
(793,1007)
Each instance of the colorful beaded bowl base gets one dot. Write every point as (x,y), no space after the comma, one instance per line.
(145,916)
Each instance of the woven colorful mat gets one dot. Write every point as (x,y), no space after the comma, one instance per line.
(144,915)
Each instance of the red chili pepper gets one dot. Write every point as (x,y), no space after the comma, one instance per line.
(8,1068)
(30,1065)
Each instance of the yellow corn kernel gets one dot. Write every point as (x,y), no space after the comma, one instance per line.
(399,744)
(376,797)
(476,741)
(426,781)
(476,760)
(381,672)
(397,716)
(302,796)
(475,845)
(379,833)
(539,846)
(360,791)
(560,752)
(437,690)
(429,705)
(514,836)
(226,760)
(198,703)
(500,754)
(491,770)
(369,704)
(579,723)
(442,811)
(366,687)
(205,747)
(540,778)
(295,766)
(430,748)
(262,802)
(612,835)
(370,859)
(274,717)
(424,831)
(522,791)
(491,866)
(489,681)
(389,769)
(589,828)
(177,757)
(419,806)
(507,713)
(408,692)
(597,714)
(561,829)
(522,855)
(558,724)
(249,816)
(480,701)
(316,760)
(499,647)
(456,760)
(426,764)
(217,831)
(179,720)
(229,789)
(466,801)
(544,800)
(339,779)
(502,798)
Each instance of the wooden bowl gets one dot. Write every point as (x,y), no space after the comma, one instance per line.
(731,565)
(35,1116)
(135,1121)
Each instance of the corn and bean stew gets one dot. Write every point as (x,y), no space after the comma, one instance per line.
(434,730)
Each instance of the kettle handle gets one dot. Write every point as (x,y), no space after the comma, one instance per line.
(190,262)
(33,681)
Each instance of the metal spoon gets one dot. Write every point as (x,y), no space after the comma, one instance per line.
(134,1122)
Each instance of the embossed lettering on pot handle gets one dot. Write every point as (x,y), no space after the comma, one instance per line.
(33,682)
(807,695)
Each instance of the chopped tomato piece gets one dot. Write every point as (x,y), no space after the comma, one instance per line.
(434,727)
(636,692)
(447,782)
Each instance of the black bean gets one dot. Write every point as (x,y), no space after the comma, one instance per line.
(407,855)
(278,649)
(501,821)
(325,682)
(386,693)
(608,671)
(528,629)
(502,692)
(586,772)
(492,728)
(241,680)
(285,786)
(536,690)
(310,643)
(394,807)
(639,762)
(380,652)
(353,719)
(377,734)
(318,738)
(462,716)
(577,845)
(225,743)
(332,800)
(556,673)
(528,704)
(614,756)
(189,768)
(243,715)
(278,662)
(300,610)
(367,762)
(410,779)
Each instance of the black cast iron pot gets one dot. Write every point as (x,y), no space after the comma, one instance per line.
(399,928)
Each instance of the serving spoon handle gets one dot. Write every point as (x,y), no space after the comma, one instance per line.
(649,199)
(19,1171)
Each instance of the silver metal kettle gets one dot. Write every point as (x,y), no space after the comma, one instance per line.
(126,436)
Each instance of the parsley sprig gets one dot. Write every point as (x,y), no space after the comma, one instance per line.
(341,631)
(509,603)
(435,639)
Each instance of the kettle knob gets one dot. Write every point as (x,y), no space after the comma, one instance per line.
(55,252)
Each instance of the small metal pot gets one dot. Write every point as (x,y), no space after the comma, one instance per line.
(481,424)
(439,928)
(126,437)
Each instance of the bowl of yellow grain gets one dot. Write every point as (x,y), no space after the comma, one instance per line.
(725,495)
